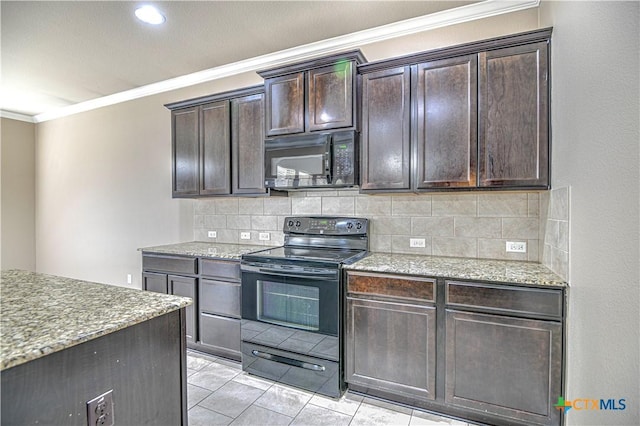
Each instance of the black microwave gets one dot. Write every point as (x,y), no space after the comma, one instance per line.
(312,161)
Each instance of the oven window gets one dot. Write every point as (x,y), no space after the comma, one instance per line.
(289,304)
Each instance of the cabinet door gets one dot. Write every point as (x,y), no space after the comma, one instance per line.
(185,142)
(504,365)
(186,287)
(391,347)
(215,173)
(220,335)
(331,97)
(386,114)
(446,123)
(247,144)
(154,282)
(514,117)
(284,100)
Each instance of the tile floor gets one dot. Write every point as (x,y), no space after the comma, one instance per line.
(220,393)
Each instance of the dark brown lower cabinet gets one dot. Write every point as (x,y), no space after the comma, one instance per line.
(179,286)
(186,287)
(213,320)
(391,347)
(486,352)
(504,365)
(220,316)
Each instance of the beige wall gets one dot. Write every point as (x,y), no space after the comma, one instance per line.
(595,119)
(104,187)
(18,238)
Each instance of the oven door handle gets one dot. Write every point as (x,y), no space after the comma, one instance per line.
(288,361)
(314,275)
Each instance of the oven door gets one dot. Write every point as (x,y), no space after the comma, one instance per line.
(304,298)
(294,162)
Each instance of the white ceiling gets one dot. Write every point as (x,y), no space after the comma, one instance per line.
(56,53)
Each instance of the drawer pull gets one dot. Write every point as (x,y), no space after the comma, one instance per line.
(289,361)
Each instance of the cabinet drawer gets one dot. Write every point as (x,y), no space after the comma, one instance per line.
(220,335)
(220,269)
(220,297)
(504,298)
(171,264)
(391,285)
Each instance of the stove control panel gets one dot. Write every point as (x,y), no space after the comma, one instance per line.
(326,225)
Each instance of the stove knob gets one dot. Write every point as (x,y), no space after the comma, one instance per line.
(290,223)
(298,223)
(359,225)
(349,225)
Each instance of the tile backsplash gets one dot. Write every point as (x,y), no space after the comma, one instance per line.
(475,225)
(554,230)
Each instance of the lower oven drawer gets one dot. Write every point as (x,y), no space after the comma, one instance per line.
(220,335)
(314,374)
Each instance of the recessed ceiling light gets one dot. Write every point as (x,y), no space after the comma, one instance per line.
(150,15)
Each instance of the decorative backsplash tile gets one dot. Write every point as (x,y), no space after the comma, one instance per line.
(474,225)
(554,230)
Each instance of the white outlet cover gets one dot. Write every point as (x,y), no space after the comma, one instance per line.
(416,242)
(264,236)
(212,234)
(516,247)
(245,235)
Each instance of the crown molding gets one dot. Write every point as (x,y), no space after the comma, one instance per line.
(17,116)
(432,21)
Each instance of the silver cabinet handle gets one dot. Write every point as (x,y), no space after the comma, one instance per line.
(289,361)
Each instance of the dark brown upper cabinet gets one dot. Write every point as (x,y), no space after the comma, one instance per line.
(312,96)
(445,133)
(215,149)
(474,116)
(514,116)
(185,130)
(247,144)
(217,144)
(385,136)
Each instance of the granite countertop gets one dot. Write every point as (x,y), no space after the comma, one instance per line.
(42,314)
(204,249)
(507,271)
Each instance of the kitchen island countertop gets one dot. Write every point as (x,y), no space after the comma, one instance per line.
(506,271)
(42,314)
(204,249)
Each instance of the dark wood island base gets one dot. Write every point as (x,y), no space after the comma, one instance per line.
(66,342)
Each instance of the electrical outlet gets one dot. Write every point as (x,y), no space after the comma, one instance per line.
(516,246)
(245,235)
(264,236)
(100,410)
(416,242)
(129,278)
(212,234)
